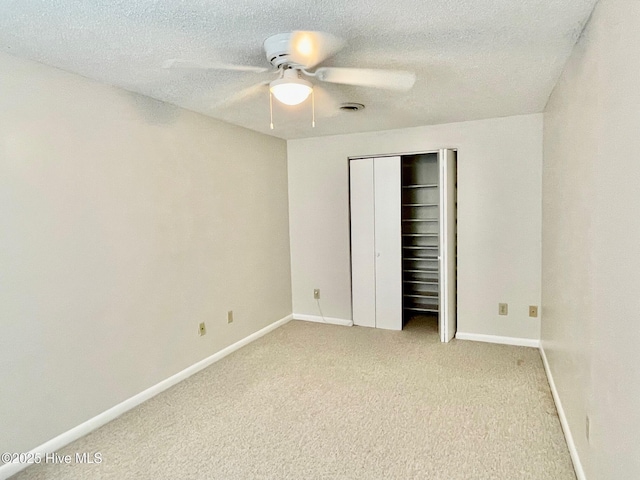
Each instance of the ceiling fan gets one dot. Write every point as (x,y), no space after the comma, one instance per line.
(293,55)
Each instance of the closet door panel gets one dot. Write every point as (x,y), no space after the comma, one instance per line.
(447,169)
(363,269)
(388,242)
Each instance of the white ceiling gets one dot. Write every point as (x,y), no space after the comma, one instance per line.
(473,58)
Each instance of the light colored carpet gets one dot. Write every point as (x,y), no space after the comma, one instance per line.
(313,401)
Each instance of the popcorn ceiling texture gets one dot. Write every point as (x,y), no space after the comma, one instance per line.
(473,58)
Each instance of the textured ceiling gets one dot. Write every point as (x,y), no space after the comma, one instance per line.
(473,58)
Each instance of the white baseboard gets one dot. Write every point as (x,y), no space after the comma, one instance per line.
(319,319)
(99,420)
(573,451)
(478,337)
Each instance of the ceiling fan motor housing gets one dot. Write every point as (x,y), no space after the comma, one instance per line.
(276,48)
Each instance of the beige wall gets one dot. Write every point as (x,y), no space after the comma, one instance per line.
(499,214)
(124,222)
(591,226)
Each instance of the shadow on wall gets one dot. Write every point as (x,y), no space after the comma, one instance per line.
(154,111)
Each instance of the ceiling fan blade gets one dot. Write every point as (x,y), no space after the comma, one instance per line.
(368,77)
(185,64)
(244,94)
(311,48)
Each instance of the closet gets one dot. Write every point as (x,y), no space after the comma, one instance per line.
(403,239)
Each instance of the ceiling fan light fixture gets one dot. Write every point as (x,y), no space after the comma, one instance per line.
(291,89)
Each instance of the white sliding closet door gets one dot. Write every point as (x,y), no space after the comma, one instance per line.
(376,242)
(447,280)
(363,269)
(388,242)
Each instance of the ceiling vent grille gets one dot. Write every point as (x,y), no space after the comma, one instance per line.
(351,107)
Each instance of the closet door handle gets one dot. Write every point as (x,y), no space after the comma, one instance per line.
(378,255)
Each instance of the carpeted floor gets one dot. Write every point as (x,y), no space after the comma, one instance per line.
(314,401)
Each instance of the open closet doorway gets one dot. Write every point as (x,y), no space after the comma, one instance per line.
(403,240)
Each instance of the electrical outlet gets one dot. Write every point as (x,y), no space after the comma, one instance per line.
(202,329)
(533,311)
(230,316)
(503,309)
(316,293)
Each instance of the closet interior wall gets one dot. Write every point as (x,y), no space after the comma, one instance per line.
(420,235)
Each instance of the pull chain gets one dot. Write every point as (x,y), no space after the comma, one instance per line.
(271,108)
(313,109)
